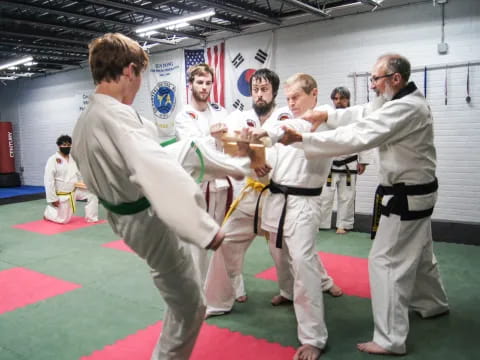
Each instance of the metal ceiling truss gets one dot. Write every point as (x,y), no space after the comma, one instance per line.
(57,32)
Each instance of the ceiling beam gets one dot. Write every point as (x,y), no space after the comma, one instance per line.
(307,7)
(240,11)
(8,4)
(40,46)
(161,14)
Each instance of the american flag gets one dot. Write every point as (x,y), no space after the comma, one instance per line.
(215,57)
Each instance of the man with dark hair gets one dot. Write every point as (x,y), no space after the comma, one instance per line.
(224,282)
(403,269)
(342,178)
(152,203)
(63,186)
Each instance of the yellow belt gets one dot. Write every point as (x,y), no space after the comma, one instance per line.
(251,183)
(71,197)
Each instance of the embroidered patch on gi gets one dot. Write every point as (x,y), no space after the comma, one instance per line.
(215,106)
(192,115)
(163,98)
(284,116)
(59,161)
(250,123)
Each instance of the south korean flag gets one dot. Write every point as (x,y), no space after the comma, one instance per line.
(245,55)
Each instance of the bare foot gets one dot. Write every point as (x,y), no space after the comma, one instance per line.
(341,231)
(242,299)
(280,300)
(307,352)
(372,348)
(335,291)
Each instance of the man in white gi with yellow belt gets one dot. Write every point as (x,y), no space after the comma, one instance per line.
(153,203)
(63,186)
(225,282)
(403,269)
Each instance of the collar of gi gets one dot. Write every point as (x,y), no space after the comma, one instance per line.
(407,90)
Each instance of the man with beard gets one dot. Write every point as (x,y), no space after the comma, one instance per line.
(403,269)
(224,281)
(195,121)
(342,178)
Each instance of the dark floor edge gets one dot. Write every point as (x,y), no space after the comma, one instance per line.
(442,230)
(21,198)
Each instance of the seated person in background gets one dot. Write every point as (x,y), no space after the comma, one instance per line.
(63,186)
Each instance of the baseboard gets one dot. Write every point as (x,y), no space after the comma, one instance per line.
(442,230)
(21,198)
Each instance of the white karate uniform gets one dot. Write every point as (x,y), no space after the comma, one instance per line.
(301,275)
(60,177)
(345,194)
(403,269)
(121,161)
(191,123)
(224,281)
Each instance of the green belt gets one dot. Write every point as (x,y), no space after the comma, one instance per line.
(143,203)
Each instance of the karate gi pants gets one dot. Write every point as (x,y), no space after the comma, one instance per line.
(64,212)
(302,278)
(216,209)
(403,274)
(175,277)
(345,202)
(225,279)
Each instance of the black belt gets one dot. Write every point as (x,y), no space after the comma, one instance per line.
(285,190)
(398,204)
(346,171)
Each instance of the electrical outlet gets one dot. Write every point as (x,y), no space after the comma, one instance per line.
(442,48)
(440,2)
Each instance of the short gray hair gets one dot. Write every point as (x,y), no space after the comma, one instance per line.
(396,63)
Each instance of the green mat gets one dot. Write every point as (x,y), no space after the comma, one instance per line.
(118,298)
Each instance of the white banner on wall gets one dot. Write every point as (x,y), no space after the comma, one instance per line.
(164,83)
(245,55)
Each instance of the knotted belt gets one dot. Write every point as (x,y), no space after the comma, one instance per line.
(398,204)
(285,190)
(250,184)
(71,198)
(347,170)
(141,204)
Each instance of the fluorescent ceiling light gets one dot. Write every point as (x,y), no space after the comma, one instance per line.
(8,77)
(179,20)
(15,62)
(172,27)
(372,2)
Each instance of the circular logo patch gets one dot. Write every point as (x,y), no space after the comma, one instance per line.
(163,99)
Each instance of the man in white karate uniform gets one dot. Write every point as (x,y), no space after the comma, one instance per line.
(403,269)
(224,282)
(63,186)
(153,204)
(342,179)
(195,121)
(291,216)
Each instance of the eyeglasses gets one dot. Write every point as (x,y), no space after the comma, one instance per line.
(374,79)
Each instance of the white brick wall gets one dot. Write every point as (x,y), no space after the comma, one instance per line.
(43,108)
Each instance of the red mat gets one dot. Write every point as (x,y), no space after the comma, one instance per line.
(50,228)
(213,343)
(118,245)
(20,287)
(348,272)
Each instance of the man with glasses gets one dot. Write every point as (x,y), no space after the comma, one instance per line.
(63,186)
(403,269)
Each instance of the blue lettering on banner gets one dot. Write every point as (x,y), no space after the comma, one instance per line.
(163,99)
